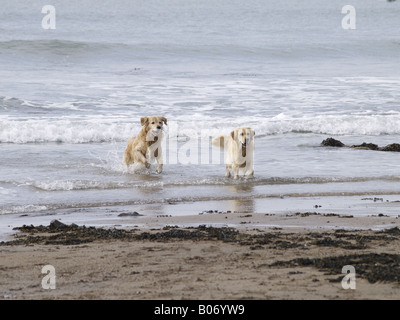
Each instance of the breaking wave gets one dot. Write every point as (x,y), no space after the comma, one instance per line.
(102,130)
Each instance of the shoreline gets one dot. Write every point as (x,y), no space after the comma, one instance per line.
(205,262)
(376,212)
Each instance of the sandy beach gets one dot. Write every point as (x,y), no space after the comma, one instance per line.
(320,219)
(302,259)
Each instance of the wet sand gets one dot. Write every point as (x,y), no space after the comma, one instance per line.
(251,261)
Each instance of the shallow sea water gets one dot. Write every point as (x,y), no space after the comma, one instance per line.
(71,97)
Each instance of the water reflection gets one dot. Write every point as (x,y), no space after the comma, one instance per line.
(244,201)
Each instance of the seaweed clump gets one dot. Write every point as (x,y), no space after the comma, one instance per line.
(371,266)
(63,234)
(330,142)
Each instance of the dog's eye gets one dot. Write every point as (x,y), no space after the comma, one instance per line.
(152,122)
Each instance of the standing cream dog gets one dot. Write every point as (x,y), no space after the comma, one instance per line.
(239,148)
(146,146)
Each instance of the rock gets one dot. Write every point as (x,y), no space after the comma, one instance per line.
(366,146)
(57,225)
(130,214)
(392,147)
(330,142)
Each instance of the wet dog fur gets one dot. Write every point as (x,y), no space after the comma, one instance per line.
(145,148)
(239,151)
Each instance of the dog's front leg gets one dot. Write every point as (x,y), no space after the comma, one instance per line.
(159,164)
(158,156)
(227,171)
(235,171)
(140,158)
(250,174)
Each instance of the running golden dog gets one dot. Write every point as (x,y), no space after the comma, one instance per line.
(239,151)
(145,148)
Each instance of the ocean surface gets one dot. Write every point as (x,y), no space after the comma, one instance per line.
(70,97)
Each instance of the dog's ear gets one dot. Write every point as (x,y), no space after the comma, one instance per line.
(253,133)
(164,119)
(144,121)
(233,134)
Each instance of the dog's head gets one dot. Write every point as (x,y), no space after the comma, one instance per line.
(153,124)
(244,136)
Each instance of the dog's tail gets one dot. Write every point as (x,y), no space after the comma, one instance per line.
(219,141)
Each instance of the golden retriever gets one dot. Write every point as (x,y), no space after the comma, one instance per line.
(239,148)
(145,148)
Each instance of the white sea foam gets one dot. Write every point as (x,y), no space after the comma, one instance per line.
(22,209)
(88,131)
(68,185)
(68,131)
